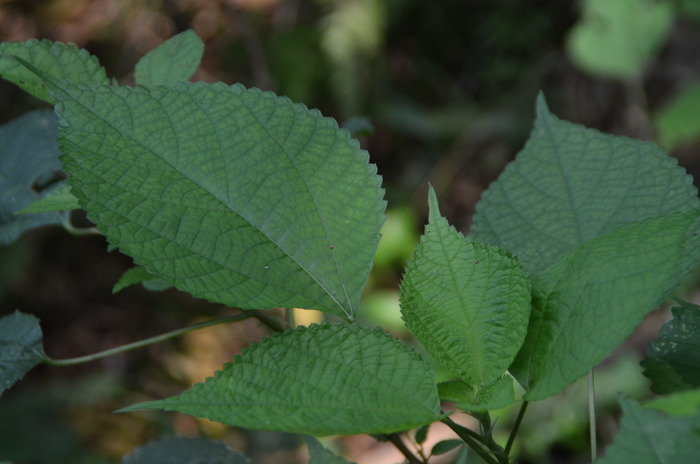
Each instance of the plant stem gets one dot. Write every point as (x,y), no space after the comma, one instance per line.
(399,444)
(271,322)
(473,439)
(516,426)
(591,416)
(145,342)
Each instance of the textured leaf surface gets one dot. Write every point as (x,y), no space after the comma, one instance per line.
(234,195)
(185,450)
(55,59)
(29,169)
(647,437)
(175,60)
(58,199)
(571,184)
(321,455)
(21,347)
(586,304)
(490,397)
(615,38)
(673,359)
(321,380)
(468,303)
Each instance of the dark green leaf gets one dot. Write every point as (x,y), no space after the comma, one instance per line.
(20,347)
(571,184)
(468,303)
(184,450)
(686,403)
(234,195)
(29,169)
(497,395)
(321,380)
(139,275)
(54,59)
(422,433)
(175,60)
(58,199)
(321,455)
(647,437)
(673,359)
(445,446)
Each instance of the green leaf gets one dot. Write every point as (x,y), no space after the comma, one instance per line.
(173,61)
(571,184)
(676,123)
(58,199)
(616,38)
(20,347)
(586,304)
(673,359)
(321,455)
(686,403)
(55,59)
(29,170)
(422,432)
(138,275)
(321,380)
(488,398)
(185,450)
(466,302)
(232,194)
(445,446)
(647,437)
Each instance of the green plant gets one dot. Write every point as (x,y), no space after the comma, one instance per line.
(244,198)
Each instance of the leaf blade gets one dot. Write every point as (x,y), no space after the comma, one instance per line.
(175,60)
(21,347)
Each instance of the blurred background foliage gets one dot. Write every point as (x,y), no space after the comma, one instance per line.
(443,92)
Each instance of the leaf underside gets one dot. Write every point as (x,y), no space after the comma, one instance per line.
(21,347)
(468,303)
(608,228)
(232,194)
(673,359)
(322,380)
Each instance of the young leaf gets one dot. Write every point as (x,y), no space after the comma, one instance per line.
(445,446)
(571,184)
(647,437)
(55,59)
(29,169)
(173,61)
(321,380)
(675,123)
(586,304)
(488,398)
(321,455)
(468,303)
(685,403)
(232,194)
(58,199)
(185,450)
(673,362)
(20,347)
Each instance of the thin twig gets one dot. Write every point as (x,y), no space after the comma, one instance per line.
(471,438)
(591,416)
(145,342)
(516,426)
(268,321)
(399,444)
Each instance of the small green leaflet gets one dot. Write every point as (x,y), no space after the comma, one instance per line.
(185,450)
(232,194)
(586,304)
(321,455)
(466,302)
(21,347)
(673,359)
(55,59)
(322,380)
(173,61)
(648,437)
(58,199)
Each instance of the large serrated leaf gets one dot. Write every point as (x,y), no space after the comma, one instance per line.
(55,59)
(647,437)
(172,61)
(322,380)
(571,184)
(235,195)
(21,347)
(673,362)
(468,303)
(587,303)
(29,169)
(185,450)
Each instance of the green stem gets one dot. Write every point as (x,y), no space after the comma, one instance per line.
(145,342)
(516,426)
(591,416)
(473,439)
(395,439)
